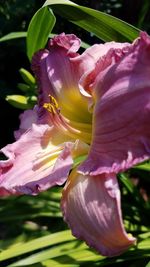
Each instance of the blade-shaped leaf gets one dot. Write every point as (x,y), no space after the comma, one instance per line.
(104,26)
(39,29)
(13,35)
(143,166)
(148,264)
(51,253)
(70,254)
(16,35)
(37,243)
(123,177)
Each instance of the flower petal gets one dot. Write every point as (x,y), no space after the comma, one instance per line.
(89,59)
(58,76)
(26,119)
(91,207)
(121,128)
(38,160)
(70,42)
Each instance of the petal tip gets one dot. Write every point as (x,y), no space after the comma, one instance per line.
(91,208)
(69,42)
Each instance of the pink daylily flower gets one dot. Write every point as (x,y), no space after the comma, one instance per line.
(95,105)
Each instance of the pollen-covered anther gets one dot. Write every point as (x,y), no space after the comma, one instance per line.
(52,106)
(53,101)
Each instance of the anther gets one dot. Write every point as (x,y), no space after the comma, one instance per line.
(53,101)
(52,106)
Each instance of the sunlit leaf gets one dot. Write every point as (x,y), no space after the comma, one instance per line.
(51,253)
(37,243)
(13,35)
(16,35)
(104,26)
(144,167)
(148,264)
(39,29)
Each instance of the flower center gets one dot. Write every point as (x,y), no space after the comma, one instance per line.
(75,130)
(52,106)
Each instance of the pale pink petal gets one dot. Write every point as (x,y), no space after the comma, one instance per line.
(88,61)
(96,52)
(70,42)
(38,160)
(59,76)
(27,118)
(91,207)
(121,128)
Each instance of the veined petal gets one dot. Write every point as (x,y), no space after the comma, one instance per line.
(91,207)
(69,42)
(58,76)
(121,128)
(27,118)
(38,160)
(91,57)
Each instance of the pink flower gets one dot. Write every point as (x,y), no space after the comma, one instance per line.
(94,106)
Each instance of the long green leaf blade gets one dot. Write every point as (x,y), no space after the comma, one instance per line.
(104,26)
(39,29)
(51,253)
(37,243)
(144,167)
(13,35)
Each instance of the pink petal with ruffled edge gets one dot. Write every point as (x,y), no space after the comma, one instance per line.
(121,131)
(91,207)
(89,59)
(27,118)
(37,161)
(58,76)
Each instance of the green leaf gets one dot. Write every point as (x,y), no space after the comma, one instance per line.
(39,29)
(144,167)
(51,253)
(16,35)
(13,35)
(143,12)
(131,188)
(148,264)
(71,252)
(104,26)
(127,182)
(66,254)
(37,243)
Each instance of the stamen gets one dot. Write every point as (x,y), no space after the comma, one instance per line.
(49,108)
(53,101)
(52,106)
(74,131)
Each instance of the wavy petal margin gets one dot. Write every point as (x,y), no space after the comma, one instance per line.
(91,207)
(39,160)
(27,118)
(121,128)
(58,76)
